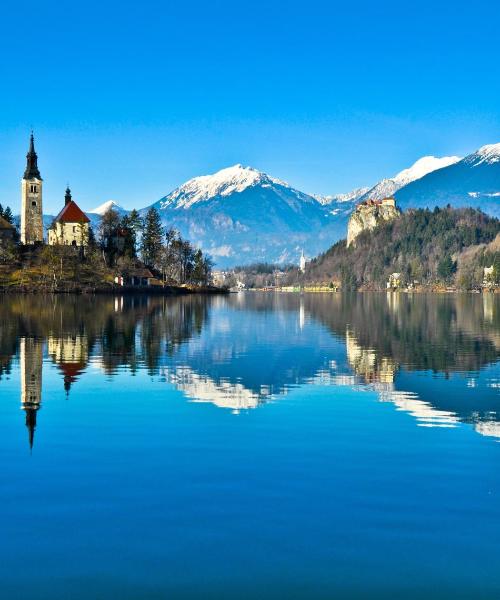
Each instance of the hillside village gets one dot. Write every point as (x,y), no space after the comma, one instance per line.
(125,252)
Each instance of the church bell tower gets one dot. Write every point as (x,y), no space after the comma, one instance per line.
(31,364)
(31,200)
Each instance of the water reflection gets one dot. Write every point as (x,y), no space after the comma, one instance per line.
(31,356)
(434,357)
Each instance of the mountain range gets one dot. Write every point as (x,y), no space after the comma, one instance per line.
(241,215)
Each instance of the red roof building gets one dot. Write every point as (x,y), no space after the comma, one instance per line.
(71,226)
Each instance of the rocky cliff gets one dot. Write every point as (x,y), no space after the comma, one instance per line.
(369,214)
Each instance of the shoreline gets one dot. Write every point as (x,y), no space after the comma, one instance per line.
(429,290)
(117,291)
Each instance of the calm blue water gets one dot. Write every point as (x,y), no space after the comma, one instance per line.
(250,446)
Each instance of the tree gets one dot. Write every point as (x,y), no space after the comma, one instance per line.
(152,238)
(129,238)
(198,267)
(136,225)
(8,216)
(446,268)
(208,265)
(108,226)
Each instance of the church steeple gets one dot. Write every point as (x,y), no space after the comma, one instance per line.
(67,196)
(32,171)
(31,199)
(31,425)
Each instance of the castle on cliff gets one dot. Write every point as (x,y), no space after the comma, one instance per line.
(368,215)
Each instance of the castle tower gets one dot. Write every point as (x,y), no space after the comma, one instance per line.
(31,200)
(31,359)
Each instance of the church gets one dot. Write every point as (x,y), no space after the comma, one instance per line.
(71,227)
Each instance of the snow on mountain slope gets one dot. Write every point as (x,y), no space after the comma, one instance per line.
(489,154)
(473,181)
(103,208)
(423,166)
(351,196)
(225,182)
(241,215)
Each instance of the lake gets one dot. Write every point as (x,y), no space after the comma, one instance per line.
(250,446)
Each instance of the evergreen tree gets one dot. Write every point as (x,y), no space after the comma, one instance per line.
(7,215)
(129,237)
(152,238)
(136,224)
(198,267)
(446,268)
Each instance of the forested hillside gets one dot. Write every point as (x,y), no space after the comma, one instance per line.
(442,247)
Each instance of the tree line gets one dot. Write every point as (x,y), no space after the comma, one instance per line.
(122,240)
(443,247)
(120,244)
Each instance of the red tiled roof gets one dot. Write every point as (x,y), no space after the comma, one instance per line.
(71,213)
(72,370)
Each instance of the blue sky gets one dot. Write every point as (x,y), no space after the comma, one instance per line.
(130,99)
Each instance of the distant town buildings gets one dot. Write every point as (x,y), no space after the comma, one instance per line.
(394,281)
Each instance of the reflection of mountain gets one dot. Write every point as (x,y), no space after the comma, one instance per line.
(246,355)
(200,388)
(431,356)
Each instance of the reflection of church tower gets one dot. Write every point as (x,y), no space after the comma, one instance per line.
(31,199)
(31,355)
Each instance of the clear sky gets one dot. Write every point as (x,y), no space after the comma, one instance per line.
(130,99)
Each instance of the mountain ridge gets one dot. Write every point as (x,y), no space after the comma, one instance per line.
(242,215)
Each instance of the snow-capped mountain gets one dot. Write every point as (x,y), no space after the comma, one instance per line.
(351,196)
(472,181)
(423,166)
(103,208)
(225,182)
(96,213)
(240,215)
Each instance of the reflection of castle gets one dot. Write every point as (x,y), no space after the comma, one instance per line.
(367,363)
(31,358)
(71,353)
